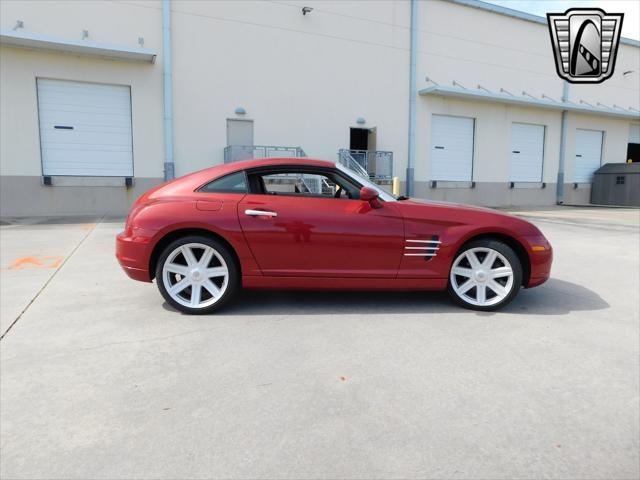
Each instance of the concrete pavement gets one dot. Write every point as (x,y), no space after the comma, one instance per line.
(101,379)
(32,252)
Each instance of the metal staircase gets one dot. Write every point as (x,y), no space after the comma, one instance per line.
(346,159)
(375,164)
(317,185)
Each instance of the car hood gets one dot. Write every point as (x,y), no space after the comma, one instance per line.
(459,214)
(420,202)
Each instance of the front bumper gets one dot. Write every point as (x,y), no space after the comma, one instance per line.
(541,257)
(133,252)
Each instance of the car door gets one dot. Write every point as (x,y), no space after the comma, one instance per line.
(308,228)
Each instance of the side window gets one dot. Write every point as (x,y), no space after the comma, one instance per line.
(305,184)
(233,183)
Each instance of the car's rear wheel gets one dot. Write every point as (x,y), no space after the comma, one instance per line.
(485,275)
(197,274)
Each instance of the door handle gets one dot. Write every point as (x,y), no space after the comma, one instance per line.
(439,147)
(260,213)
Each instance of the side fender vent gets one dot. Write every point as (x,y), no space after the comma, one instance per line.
(421,247)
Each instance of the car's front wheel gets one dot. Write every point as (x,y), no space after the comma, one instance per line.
(485,275)
(197,274)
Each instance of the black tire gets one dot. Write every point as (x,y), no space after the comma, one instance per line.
(507,253)
(233,281)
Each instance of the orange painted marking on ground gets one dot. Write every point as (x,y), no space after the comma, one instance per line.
(37,261)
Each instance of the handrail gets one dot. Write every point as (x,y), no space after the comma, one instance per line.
(234,153)
(345,158)
(376,164)
(314,187)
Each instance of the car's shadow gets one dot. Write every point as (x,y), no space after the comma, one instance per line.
(555,297)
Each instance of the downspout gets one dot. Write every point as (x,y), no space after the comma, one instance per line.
(411,160)
(563,144)
(169,167)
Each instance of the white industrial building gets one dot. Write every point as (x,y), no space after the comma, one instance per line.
(100,100)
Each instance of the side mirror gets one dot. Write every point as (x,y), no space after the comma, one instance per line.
(368,194)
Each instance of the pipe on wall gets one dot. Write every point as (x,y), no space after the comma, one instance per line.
(412,99)
(563,144)
(169,166)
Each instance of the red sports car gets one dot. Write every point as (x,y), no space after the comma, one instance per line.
(291,223)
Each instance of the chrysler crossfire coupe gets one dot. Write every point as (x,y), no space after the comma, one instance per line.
(292,223)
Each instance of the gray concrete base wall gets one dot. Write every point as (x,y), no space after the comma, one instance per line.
(498,194)
(491,194)
(26,196)
(577,196)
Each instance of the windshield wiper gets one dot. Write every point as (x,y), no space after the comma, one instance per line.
(402,197)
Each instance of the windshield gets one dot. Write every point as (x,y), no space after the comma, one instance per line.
(365,182)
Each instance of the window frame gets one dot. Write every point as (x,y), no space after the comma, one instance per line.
(201,188)
(303,169)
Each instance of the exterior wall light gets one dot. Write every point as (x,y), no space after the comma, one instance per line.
(360,121)
(306,10)
(240,111)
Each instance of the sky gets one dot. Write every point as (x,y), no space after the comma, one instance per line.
(630,8)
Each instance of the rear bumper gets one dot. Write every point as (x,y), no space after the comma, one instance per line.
(541,257)
(133,254)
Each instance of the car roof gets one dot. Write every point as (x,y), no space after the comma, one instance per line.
(226,168)
(195,179)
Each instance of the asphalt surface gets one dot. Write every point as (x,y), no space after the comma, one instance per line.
(101,379)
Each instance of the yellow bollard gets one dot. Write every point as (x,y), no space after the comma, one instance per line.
(395,186)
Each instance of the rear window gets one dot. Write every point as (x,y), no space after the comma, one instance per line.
(233,183)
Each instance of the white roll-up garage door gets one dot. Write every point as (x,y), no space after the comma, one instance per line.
(634,133)
(588,155)
(85,129)
(527,152)
(451,148)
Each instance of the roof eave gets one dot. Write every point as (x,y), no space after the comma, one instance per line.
(77,47)
(510,12)
(443,91)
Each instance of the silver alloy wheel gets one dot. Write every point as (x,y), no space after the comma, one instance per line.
(481,276)
(195,275)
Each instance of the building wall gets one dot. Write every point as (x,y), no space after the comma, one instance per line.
(497,51)
(503,53)
(492,153)
(21,189)
(303,80)
(614,150)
